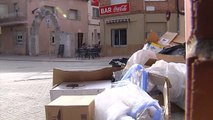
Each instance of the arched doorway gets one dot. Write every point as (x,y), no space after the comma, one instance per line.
(40,14)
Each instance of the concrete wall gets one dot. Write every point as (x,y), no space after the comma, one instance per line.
(94,23)
(160,18)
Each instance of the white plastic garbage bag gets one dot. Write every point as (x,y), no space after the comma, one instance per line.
(122,103)
(176,73)
(137,75)
(140,57)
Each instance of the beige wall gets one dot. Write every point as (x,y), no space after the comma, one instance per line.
(182,25)
(135,35)
(135,31)
(92,25)
(171,25)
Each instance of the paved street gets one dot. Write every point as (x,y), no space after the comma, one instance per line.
(25,83)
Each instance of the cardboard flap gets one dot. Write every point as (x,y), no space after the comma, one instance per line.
(159,80)
(150,62)
(179,39)
(60,76)
(153,37)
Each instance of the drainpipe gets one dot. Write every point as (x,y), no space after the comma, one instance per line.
(178,15)
(104,50)
(144,6)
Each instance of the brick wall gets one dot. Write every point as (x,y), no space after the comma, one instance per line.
(160,6)
(163,6)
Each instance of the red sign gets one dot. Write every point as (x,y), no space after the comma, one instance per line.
(119,8)
(95,2)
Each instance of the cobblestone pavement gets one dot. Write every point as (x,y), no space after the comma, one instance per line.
(25,84)
(24,100)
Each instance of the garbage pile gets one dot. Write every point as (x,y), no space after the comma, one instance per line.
(167,59)
(142,86)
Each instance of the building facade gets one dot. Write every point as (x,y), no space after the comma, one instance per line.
(36,27)
(125,24)
(94,23)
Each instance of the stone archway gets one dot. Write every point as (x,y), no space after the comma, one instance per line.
(40,14)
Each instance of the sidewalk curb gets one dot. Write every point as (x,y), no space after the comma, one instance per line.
(39,59)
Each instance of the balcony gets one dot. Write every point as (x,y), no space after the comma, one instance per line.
(13,19)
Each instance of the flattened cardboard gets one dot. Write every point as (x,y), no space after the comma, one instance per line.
(167,58)
(71,107)
(166,38)
(60,76)
(171,58)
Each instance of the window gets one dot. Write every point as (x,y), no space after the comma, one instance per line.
(113,2)
(95,12)
(16,9)
(3,10)
(52,37)
(119,37)
(19,38)
(51,9)
(73,14)
(99,36)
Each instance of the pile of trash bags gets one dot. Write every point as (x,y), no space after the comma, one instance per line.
(129,97)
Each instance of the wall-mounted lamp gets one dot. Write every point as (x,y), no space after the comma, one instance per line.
(64,15)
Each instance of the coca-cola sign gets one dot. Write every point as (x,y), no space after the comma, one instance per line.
(119,8)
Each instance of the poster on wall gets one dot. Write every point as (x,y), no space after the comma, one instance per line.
(94,2)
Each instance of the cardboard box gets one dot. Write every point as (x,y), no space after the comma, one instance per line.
(71,108)
(162,81)
(79,88)
(167,39)
(93,81)
(153,37)
(60,76)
